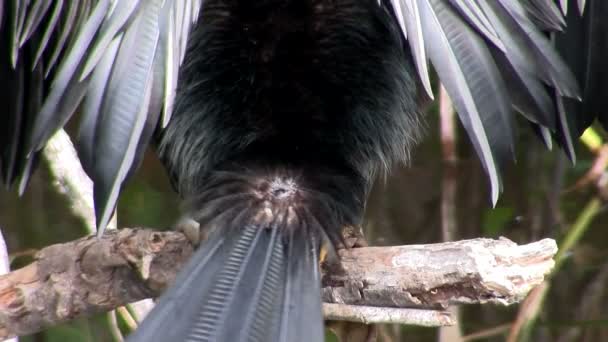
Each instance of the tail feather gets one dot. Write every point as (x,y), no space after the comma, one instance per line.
(176,305)
(253,285)
(231,292)
(269,287)
(301,319)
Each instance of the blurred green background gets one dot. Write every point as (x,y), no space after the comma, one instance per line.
(404,208)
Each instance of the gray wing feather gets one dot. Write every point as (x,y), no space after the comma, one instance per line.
(474,14)
(124,110)
(92,105)
(546,14)
(84,48)
(453,51)
(68,27)
(493,60)
(111,27)
(36,13)
(411,26)
(46,36)
(50,118)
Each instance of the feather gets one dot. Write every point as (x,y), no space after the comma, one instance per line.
(13,85)
(120,15)
(66,28)
(581,6)
(92,105)
(17,14)
(528,95)
(544,134)
(584,47)
(546,14)
(35,98)
(408,18)
(2,21)
(124,110)
(496,48)
(265,287)
(53,114)
(491,56)
(301,302)
(542,54)
(566,132)
(18,83)
(36,13)
(467,71)
(51,26)
(169,43)
(473,14)
(86,47)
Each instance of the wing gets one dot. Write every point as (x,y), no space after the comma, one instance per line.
(115,62)
(494,57)
(584,47)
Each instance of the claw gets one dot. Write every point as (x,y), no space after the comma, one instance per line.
(191,229)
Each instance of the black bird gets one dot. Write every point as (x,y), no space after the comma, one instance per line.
(274,116)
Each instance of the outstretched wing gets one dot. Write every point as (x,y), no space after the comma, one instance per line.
(115,60)
(495,57)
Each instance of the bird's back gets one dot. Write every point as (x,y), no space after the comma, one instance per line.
(291,80)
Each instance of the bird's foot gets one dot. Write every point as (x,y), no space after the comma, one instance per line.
(190,228)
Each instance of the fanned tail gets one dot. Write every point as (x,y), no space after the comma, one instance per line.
(256,278)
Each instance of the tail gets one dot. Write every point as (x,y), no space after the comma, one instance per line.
(257,276)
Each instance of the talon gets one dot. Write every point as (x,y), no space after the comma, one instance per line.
(190,228)
(323,253)
(353,237)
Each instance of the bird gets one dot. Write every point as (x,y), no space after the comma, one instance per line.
(273,118)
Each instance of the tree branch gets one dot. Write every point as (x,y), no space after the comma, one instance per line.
(69,179)
(99,274)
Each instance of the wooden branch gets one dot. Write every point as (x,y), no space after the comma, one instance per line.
(437,275)
(93,275)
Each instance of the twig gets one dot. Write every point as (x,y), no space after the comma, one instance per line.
(114,329)
(578,229)
(487,333)
(5,266)
(126,316)
(69,179)
(528,314)
(374,314)
(595,172)
(449,182)
(4,258)
(99,274)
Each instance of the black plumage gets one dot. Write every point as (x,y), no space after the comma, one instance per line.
(284,113)
(271,81)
